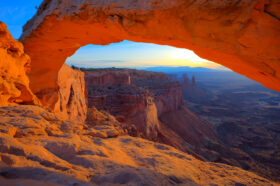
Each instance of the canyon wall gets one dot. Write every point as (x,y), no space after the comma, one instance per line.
(131,105)
(134,97)
(14,67)
(167,94)
(243,35)
(107,78)
(150,107)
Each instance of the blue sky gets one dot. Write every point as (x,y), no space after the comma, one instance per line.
(15,13)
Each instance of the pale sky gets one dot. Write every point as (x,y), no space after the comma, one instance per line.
(15,13)
(132,54)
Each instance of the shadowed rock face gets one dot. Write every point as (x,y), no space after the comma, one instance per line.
(243,35)
(14,66)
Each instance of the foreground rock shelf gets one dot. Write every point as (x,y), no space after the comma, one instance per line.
(36,147)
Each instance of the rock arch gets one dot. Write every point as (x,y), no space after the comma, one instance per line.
(243,35)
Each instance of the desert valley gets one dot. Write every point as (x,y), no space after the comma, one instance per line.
(64,124)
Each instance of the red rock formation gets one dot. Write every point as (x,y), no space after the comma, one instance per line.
(241,35)
(191,91)
(14,66)
(107,78)
(167,93)
(137,105)
(72,100)
(130,105)
(38,148)
(152,108)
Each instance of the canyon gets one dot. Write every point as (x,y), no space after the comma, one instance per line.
(68,126)
(148,105)
(246,118)
(172,123)
(40,147)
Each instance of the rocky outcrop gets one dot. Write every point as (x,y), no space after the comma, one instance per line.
(14,67)
(167,94)
(190,90)
(241,35)
(72,100)
(151,107)
(131,105)
(38,148)
(107,77)
(137,104)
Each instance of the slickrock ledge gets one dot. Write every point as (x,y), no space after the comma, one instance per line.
(37,147)
(243,35)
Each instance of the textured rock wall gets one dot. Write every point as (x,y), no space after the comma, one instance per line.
(72,100)
(151,108)
(130,105)
(107,78)
(167,97)
(167,93)
(243,35)
(138,103)
(14,67)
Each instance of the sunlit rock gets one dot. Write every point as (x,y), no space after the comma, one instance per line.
(65,153)
(72,100)
(241,35)
(14,67)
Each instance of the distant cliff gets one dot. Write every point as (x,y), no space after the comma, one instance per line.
(148,105)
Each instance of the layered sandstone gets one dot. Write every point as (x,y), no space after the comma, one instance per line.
(107,78)
(38,148)
(167,93)
(131,105)
(241,35)
(14,67)
(72,100)
(150,107)
(190,90)
(137,104)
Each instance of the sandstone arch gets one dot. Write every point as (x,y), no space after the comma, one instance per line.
(243,35)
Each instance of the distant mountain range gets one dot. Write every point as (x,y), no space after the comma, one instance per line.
(167,69)
(206,75)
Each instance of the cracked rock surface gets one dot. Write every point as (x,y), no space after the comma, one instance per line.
(38,148)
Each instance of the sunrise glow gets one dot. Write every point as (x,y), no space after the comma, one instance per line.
(137,55)
(188,55)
